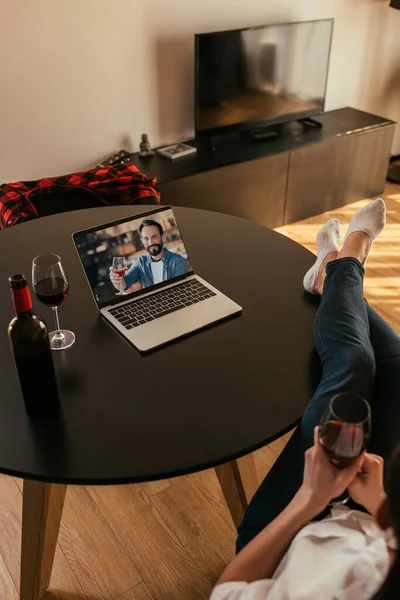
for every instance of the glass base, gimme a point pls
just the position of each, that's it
(60, 340)
(121, 293)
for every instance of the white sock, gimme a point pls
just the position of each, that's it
(327, 241)
(370, 220)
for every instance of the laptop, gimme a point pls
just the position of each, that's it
(143, 281)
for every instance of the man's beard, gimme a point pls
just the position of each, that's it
(155, 249)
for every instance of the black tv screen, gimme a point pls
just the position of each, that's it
(261, 75)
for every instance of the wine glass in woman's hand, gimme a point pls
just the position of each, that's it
(345, 429)
(51, 287)
(117, 272)
(322, 481)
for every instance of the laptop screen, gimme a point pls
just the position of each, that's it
(131, 255)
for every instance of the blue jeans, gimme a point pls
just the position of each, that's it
(360, 353)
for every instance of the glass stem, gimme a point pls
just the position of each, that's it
(59, 335)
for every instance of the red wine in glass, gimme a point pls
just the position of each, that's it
(121, 272)
(51, 287)
(52, 292)
(345, 430)
(342, 442)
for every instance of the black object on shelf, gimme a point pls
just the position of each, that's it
(309, 122)
(266, 134)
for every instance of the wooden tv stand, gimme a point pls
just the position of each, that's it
(301, 172)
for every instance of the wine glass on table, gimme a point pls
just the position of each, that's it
(345, 430)
(120, 267)
(51, 287)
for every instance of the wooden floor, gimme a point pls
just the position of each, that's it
(170, 540)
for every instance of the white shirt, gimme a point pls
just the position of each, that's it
(157, 269)
(343, 557)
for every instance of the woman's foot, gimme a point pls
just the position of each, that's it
(327, 249)
(363, 230)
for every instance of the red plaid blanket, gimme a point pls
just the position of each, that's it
(119, 184)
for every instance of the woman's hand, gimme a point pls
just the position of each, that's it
(367, 488)
(322, 481)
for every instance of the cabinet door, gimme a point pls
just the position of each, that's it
(254, 190)
(338, 171)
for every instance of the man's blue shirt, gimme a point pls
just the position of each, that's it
(174, 265)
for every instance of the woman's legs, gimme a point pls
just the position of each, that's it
(342, 339)
(341, 334)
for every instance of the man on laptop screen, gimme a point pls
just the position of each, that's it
(159, 264)
(142, 280)
(136, 254)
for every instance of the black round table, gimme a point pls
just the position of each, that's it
(200, 402)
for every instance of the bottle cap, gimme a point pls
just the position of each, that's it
(20, 293)
(18, 281)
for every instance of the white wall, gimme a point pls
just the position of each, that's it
(80, 78)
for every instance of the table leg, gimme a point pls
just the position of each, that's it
(41, 517)
(238, 480)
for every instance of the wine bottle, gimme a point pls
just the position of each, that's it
(32, 353)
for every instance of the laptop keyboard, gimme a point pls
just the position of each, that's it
(162, 303)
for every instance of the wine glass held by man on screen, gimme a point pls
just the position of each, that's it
(117, 272)
(51, 287)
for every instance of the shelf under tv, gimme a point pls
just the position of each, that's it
(298, 173)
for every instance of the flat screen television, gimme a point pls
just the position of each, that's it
(250, 78)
